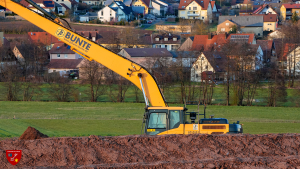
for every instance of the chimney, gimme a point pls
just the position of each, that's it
(209, 35)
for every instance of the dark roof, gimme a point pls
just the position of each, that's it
(148, 52)
(249, 21)
(64, 63)
(127, 10)
(61, 48)
(216, 60)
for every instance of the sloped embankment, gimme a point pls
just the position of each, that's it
(180, 151)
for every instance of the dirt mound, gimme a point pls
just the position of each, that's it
(31, 133)
(171, 151)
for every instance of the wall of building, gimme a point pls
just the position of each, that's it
(200, 66)
(225, 27)
(258, 31)
(65, 56)
(108, 14)
(269, 26)
(140, 3)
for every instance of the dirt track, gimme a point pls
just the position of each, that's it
(173, 151)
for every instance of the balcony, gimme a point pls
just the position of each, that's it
(193, 14)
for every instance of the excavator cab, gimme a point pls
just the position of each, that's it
(163, 120)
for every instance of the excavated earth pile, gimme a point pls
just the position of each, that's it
(171, 151)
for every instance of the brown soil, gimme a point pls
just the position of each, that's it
(171, 151)
(31, 134)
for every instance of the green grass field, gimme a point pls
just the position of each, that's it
(57, 119)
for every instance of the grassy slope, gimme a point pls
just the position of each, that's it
(84, 118)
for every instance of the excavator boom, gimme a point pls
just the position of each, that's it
(92, 51)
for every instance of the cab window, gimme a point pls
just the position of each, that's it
(174, 118)
(157, 121)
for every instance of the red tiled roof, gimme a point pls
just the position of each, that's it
(202, 42)
(202, 3)
(288, 48)
(42, 37)
(61, 48)
(291, 6)
(266, 46)
(212, 4)
(64, 63)
(247, 2)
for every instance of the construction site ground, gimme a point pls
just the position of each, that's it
(169, 151)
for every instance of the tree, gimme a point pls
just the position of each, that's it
(60, 88)
(295, 17)
(233, 29)
(93, 74)
(117, 86)
(200, 28)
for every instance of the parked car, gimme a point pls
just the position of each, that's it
(149, 22)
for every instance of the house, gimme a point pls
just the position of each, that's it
(287, 10)
(147, 57)
(47, 5)
(89, 16)
(43, 38)
(67, 3)
(63, 59)
(270, 21)
(246, 24)
(265, 9)
(210, 64)
(147, 4)
(195, 9)
(214, 63)
(64, 66)
(169, 41)
(290, 59)
(63, 51)
(267, 47)
(159, 7)
(116, 11)
(214, 42)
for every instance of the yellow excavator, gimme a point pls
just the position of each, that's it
(159, 118)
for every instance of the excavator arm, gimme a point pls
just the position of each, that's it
(134, 72)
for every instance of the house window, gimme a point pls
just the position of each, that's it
(206, 67)
(174, 39)
(223, 29)
(174, 47)
(190, 8)
(156, 39)
(196, 66)
(66, 55)
(227, 24)
(258, 34)
(58, 55)
(158, 46)
(194, 8)
(202, 17)
(101, 13)
(54, 70)
(166, 46)
(166, 39)
(197, 75)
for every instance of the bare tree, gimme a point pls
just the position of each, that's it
(60, 88)
(117, 86)
(93, 74)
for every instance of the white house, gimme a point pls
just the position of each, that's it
(66, 2)
(159, 7)
(169, 41)
(116, 11)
